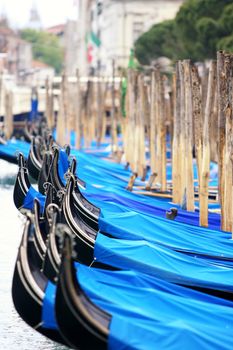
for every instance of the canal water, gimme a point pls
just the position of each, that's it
(14, 333)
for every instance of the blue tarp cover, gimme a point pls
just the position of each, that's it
(155, 260)
(48, 307)
(63, 165)
(29, 199)
(148, 313)
(12, 147)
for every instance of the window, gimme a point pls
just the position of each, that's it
(137, 30)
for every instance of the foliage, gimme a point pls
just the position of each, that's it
(156, 42)
(45, 47)
(226, 43)
(199, 29)
(207, 36)
(226, 20)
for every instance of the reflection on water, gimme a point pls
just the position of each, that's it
(14, 333)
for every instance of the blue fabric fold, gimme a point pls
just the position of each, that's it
(48, 307)
(63, 165)
(149, 313)
(29, 199)
(156, 260)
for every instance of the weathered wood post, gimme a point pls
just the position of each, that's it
(152, 133)
(113, 113)
(158, 110)
(182, 136)
(222, 103)
(205, 166)
(47, 109)
(197, 117)
(189, 181)
(65, 105)
(88, 120)
(99, 110)
(141, 168)
(130, 126)
(78, 111)
(51, 107)
(176, 147)
(49, 103)
(162, 135)
(103, 107)
(227, 195)
(230, 114)
(61, 118)
(8, 117)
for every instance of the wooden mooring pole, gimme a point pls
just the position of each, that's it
(205, 166)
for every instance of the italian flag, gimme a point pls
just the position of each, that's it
(93, 42)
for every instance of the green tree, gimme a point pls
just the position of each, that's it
(45, 47)
(226, 43)
(199, 29)
(159, 41)
(195, 16)
(207, 36)
(226, 20)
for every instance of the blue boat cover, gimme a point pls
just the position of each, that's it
(155, 260)
(29, 199)
(48, 307)
(34, 109)
(122, 219)
(13, 147)
(149, 313)
(131, 225)
(63, 165)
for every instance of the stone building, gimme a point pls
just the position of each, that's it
(67, 34)
(118, 24)
(15, 53)
(40, 72)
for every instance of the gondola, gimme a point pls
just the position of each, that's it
(45, 171)
(24, 193)
(89, 212)
(86, 210)
(34, 162)
(221, 259)
(29, 286)
(58, 177)
(27, 134)
(82, 324)
(117, 253)
(85, 235)
(52, 260)
(40, 231)
(73, 170)
(22, 183)
(86, 238)
(127, 310)
(45, 235)
(56, 180)
(74, 308)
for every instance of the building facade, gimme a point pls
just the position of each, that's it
(67, 33)
(15, 54)
(40, 72)
(84, 26)
(118, 24)
(34, 20)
